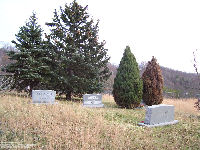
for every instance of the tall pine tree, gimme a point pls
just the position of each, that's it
(79, 58)
(30, 67)
(127, 88)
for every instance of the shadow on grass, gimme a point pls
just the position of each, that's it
(63, 99)
(110, 105)
(129, 117)
(14, 93)
(114, 105)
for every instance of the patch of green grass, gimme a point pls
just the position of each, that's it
(110, 105)
(127, 116)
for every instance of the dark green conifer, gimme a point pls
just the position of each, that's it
(80, 59)
(30, 60)
(127, 88)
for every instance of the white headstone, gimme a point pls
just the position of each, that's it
(43, 96)
(159, 115)
(92, 100)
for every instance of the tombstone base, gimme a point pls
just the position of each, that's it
(94, 106)
(159, 124)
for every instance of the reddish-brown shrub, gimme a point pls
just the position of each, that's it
(152, 83)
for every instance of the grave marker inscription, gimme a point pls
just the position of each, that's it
(43, 96)
(92, 100)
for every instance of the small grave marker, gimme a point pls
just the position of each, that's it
(92, 100)
(43, 96)
(159, 115)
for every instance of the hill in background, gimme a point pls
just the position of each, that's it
(177, 84)
(4, 59)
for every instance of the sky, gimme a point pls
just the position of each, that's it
(166, 29)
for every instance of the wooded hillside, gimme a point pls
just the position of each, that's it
(4, 59)
(176, 83)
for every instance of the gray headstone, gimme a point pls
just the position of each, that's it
(43, 96)
(158, 115)
(92, 100)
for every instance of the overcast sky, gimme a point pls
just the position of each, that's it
(166, 29)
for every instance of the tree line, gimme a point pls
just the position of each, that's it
(177, 84)
(70, 59)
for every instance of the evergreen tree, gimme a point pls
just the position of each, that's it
(30, 67)
(127, 88)
(152, 83)
(79, 59)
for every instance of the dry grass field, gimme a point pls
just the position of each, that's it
(68, 125)
(183, 105)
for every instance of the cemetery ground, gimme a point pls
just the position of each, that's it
(69, 125)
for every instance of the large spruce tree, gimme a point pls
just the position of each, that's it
(80, 59)
(30, 67)
(152, 83)
(127, 88)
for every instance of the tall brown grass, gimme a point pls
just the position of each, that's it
(69, 125)
(59, 126)
(183, 105)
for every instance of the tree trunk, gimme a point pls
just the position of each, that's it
(30, 90)
(69, 96)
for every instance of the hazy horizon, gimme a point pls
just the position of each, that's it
(168, 30)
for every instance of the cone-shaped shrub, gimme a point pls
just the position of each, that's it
(127, 88)
(152, 83)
